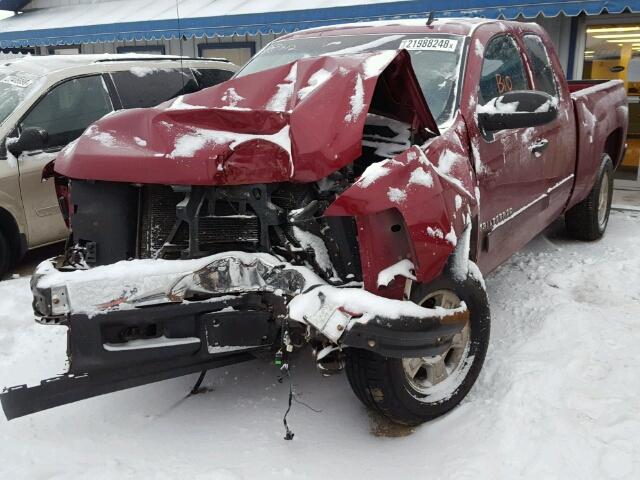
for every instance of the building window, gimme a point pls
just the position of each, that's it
(18, 51)
(236, 52)
(65, 50)
(148, 49)
(613, 52)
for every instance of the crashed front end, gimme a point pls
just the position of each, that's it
(230, 307)
(219, 229)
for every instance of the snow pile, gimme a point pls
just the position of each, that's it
(189, 143)
(374, 172)
(231, 97)
(315, 80)
(142, 72)
(420, 177)
(280, 100)
(435, 233)
(104, 138)
(375, 64)
(447, 160)
(396, 195)
(180, 104)
(140, 142)
(479, 48)
(546, 106)
(317, 245)
(558, 397)
(360, 302)
(404, 268)
(356, 101)
(496, 106)
(451, 237)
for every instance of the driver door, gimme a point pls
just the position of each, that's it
(64, 112)
(511, 179)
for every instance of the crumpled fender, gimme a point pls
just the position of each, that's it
(297, 122)
(432, 189)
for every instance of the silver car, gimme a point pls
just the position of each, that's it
(47, 102)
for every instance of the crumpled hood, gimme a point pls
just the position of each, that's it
(297, 122)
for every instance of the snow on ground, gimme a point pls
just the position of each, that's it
(558, 398)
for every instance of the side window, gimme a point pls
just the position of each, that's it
(542, 71)
(502, 69)
(147, 86)
(208, 77)
(69, 108)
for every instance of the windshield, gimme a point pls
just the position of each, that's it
(435, 60)
(15, 87)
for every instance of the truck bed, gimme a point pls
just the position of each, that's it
(601, 116)
(576, 85)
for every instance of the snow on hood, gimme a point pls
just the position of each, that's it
(297, 122)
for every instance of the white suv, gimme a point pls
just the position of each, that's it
(47, 102)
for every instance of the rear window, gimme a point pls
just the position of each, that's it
(541, 69)
(147, 86)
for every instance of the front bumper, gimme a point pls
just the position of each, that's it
(221, 312)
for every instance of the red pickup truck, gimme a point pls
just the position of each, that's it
(347, 190)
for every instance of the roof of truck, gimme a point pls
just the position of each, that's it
(46, 64)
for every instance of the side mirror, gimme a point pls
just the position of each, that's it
(518, 109)
(32, 138)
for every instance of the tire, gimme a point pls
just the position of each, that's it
(588, 219)
(5, 256)
(383, 384)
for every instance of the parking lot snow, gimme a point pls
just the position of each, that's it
(558, 397)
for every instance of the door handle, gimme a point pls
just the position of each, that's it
(539, 146)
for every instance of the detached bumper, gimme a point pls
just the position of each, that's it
(211, 317)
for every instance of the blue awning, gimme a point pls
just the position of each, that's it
(23, 30)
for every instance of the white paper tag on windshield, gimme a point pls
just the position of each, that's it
(429, 43)
(19, 80)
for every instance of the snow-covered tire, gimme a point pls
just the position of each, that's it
(588, 219)
(383, 384)
(5, 255)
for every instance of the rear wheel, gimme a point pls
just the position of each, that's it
(414, 390)
(588, 219)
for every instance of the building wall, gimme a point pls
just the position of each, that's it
(172, 47)
(559, 28)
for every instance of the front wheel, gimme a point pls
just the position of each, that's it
(413, 390)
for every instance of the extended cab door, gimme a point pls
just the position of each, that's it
(64, 112)
(553, 144)
(511, 180)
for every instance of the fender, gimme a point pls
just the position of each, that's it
(415, 205)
